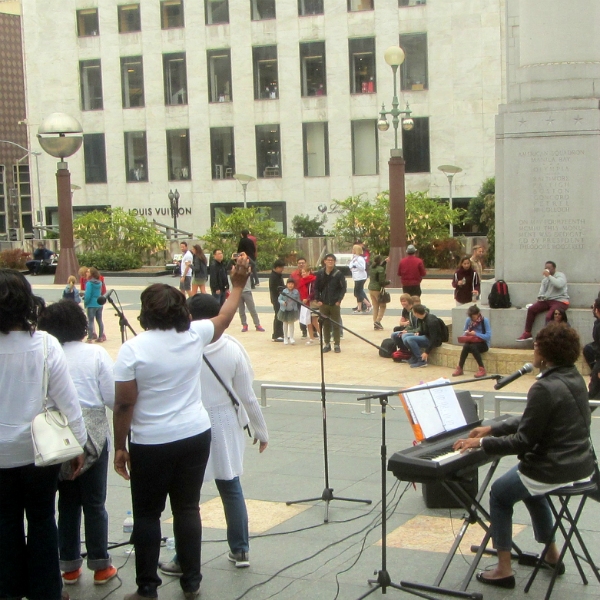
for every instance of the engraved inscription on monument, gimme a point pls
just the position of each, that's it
(552, 227)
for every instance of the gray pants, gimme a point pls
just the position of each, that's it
(247, 300)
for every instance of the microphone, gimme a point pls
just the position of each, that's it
(102, 299)
(526, 368)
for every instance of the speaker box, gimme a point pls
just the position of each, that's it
(437, 496)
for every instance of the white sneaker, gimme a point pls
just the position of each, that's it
(310, 343)
(292, 341)
(286, 341)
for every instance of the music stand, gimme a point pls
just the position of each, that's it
(384, 579)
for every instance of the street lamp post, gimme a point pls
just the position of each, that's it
(174, 201)
(244, 180)
(39, 217)
(450, 171)
(394, 56)
(61, 135)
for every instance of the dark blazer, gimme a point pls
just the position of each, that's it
(218, 276)
(330, 288)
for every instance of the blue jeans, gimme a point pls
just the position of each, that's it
(175, 469)
(505, 493)
(95, 312)
(88, 491)
(415, 343)
(29, 565)
(236, 514)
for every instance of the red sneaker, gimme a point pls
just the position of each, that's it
(71, 577)
(458, 371)
(480, 372)
(524, 337)
(104, 575)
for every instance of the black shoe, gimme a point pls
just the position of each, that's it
(327, 348)
(337, 349)
(503, 582)
(560, 571)
(304, 334)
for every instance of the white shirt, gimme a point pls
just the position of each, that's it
(91, 369)
(358, 267)
(166, 368)
(230, 360)
(186, 263)
(21, 373)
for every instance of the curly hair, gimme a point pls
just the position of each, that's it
(65, 320)
(164, 307)
(19, 308)
(558, 344)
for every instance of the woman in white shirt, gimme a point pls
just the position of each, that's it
(29, 564)
(158, 400)
(358, 268)
(91, 369)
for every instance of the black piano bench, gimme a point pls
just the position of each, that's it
(567, 521)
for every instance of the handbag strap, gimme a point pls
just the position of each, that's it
(236, 403)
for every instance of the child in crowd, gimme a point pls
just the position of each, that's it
(70, 292)
(288, 310)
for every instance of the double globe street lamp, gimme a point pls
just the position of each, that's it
(394, 56)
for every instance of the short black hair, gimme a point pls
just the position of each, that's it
(65, 320)
(164, 307)
(183, 244)
(550, 262)
(19, 308)
(330, 255)
(279, 263)
(245, 232)
(559, 344)
(419, 309)
(203, 306)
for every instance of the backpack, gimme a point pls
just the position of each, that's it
(388, 347)
(499, 296)
(444, 330)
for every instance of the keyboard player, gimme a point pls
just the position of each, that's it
(552, 442)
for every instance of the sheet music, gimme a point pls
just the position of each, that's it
(435, 410)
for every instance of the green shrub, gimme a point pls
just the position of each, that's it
(305, 226)
(12, 259)
(119, 260)
(444, 253)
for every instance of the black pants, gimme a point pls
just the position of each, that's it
(413, 290)
(277, 324)
(176, 470)
(476, 349)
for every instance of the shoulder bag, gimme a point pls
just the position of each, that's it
(384, 296)
(53, 440)
(234, 400)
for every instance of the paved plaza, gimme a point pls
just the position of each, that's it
(293, 553)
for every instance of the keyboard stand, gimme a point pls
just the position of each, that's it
(476, 513)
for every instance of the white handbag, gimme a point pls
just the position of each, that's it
(53, 440)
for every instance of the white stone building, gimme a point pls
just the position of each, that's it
(181, 94)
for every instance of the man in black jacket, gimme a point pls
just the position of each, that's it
(248, 246)
(218, 277)
(276, 285)
(330, 291)
(427, 337)
(592, 351)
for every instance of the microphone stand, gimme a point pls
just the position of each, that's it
(384, 579)
(123, 322)
(327, 495)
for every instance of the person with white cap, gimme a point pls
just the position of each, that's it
(411, 271)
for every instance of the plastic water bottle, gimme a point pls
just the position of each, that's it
(171, 543)
(128, 523)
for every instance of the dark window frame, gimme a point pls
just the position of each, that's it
(362, 49)
(265, 87)
(309, 8)
(129, 17)
(325, 146)
(310, 50)
(82, 24)
(268, 167)
(94, 158)
(169, 78)
(165, 17)
(136, 170)
(217, 91)
(416, 146)
(87, 101)
(184, 171)
(416, 62)
(222, 167)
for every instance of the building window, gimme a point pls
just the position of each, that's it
(365, 153)
(415, 146)
(413, 71)
(171, 14)
(358, 5)
(402, 3)
(263, 9)
(222, 152)
(2, 200)
(310, 7)
(91, 84)
(132, 81)
(24, 206)
(178, 154)
(276, 211)
(362, 66)
(316, 149)
(175, 78)
(129, 18)
(219, 75)
(136, 156)
(264, 59)
(312, 69)
(94, 157)
(217, 11)
(268, 151)
(87, 22)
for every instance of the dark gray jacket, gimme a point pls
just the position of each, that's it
(330, 288)
(551, 438)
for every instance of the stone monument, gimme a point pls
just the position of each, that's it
(548, 159)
